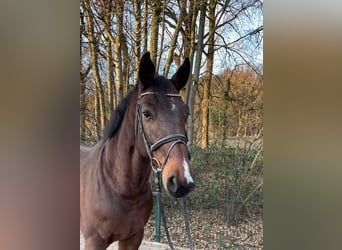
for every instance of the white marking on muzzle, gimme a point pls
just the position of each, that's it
(187, 172)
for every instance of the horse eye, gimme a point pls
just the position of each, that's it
(147, 114)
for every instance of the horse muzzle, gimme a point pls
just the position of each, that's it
(176, 188)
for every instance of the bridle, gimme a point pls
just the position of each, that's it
(151, 147)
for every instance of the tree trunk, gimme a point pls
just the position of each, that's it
(208, 76)
(145, 26)
(162, 36)
(125, 61)
(194, 82)
(93, 50)
(110, 78)
(189, 39)
(156, 10)
(137, 38)
(118, 52)
(111, 92)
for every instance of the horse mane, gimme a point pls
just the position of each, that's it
(117, 116)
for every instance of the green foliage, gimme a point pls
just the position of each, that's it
(225, 178)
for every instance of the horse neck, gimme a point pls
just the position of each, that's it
(129, 168)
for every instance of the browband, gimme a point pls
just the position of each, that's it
(153, 93)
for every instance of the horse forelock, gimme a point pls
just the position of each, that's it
(163, 85)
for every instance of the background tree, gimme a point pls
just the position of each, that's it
(99, 109)
(217, 35)
(208, 74)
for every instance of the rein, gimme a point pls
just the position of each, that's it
(157, 167)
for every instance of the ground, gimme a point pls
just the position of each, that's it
(209, 230)
(208, 233)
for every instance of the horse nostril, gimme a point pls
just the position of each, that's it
(191, 186)
(172, 184)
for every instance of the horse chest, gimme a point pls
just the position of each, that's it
(125, 218)
(136, 212)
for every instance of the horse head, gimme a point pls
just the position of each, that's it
(161, 115)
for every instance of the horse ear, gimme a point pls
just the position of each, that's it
(180, 78)
(146, 70)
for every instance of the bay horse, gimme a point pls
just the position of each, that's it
(146, 131)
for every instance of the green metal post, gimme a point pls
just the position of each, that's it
(158, 192)
(157, 218)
